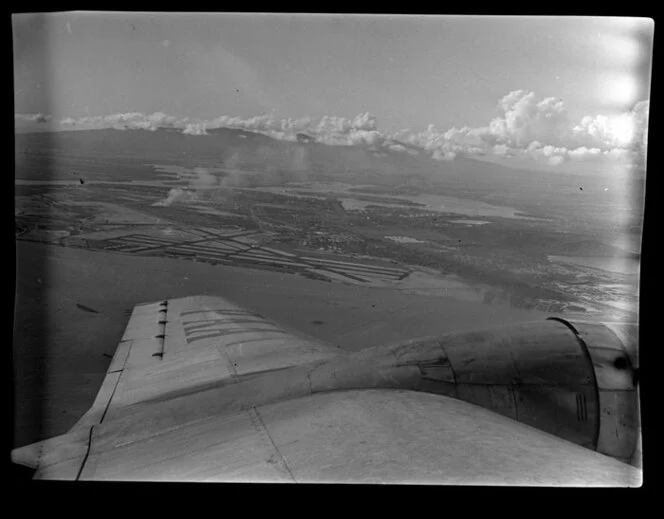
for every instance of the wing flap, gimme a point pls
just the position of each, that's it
(120, 356)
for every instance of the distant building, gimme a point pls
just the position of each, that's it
(304, 138)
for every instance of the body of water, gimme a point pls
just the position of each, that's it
(469, 222)
(427, 202)
(621, 265)
(403, 239)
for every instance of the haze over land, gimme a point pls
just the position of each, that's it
(354, 199)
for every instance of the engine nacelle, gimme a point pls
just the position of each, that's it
(577, 381)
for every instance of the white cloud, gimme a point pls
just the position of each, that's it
(502, 150)
(558, 155)
(554, 160)
(130, 120)
(584, 153)
(623, 131)
(32, 118)
(542, 130)
(397, 147)
(439, 154)
(359, 130)
(525, 119)
(194, 129)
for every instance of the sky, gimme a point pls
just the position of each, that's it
(415, 78)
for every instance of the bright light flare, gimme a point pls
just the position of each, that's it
(619, 90)
(623, 129)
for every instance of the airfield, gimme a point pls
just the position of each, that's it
(354, 247)
(336, 232)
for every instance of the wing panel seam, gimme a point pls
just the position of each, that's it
(110, 399)
(87, 454)
(276, 449)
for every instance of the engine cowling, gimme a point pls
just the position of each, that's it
(578, 381)
(575, 380)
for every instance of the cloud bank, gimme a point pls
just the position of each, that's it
(542, 130)
(126, 121)
(32, 118)
(527, 127)
(361, 129)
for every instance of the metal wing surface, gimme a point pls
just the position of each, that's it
(359, 436)
(183, 345)
(202, 390)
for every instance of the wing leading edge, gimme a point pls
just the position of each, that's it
(180, 346)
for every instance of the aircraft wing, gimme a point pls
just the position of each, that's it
(201, 390)
(185, 344)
